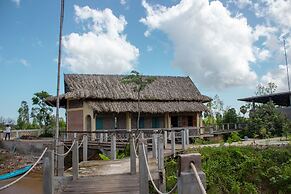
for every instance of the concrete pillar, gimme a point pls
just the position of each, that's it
(173, 143)
(143, 173)
(228, 126)
(165, 138)
(48, 172)
(85, 148)
(60, 160)
(187, 182)
(183, 136)
(17, 134)
(161, 168)
(128, 120)
(154, 145)
(132, 155)
(187, 137)
(113, 147)
(75, 161)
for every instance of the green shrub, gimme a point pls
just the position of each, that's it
(104, 157)
(234, 137)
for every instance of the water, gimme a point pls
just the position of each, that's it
(31, 184)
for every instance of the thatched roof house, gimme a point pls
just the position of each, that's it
(103, 101)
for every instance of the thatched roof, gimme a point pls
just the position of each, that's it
(106, 93)
(147, 106)
(92, 86)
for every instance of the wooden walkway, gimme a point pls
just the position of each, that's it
(107, 184)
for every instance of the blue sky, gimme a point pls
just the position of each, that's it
(226, 47)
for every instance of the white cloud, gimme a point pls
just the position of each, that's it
(123, 2)
(17, 2)
(149, 48)
(24, 62)
(209, 44)
(103, 47)
(277, 76)
(242, 3)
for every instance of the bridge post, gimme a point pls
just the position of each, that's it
(161, 169)
(183, 136)
(75, 162)
(48, 172)
(132, 155)
(60, 160)
(85, 148)
(187, 181)
(173, 143)
(154, 145)
(113, 147)
(143, 173)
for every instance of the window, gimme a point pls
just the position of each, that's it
(155, 122)
(141, 122)
(190, 121)
(99, 123)
(174, 121)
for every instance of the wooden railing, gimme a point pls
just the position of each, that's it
(16, 134)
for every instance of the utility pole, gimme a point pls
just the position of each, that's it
(286, 62)
(59, 69)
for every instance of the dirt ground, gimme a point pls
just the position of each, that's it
(11, 161)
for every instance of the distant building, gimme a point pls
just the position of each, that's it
(95, 102)
(281, 99)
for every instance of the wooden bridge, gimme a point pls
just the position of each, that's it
(129, 175)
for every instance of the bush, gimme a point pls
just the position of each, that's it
(234, 137)
(244, 169)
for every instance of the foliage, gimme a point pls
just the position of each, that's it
(270, 88)
(215, 112)
(138, 83)
(40, 111)
(104, 157)
(230, 116)
(23, 117)
(266, 121)
(234, 137)
(244, 169)
(4, 121)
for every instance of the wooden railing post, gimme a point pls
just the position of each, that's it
(48, 172)
(60, 160)
(161, 169)
(222, 127)
(85, 147)
(235, 126)
(228, 126)
(143, 173)
(154, 145)
(187, 182)
(75, 160)
(173, 143)
(113, 146)
(132, 155)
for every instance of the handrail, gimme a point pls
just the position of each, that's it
(150, 175)
(15, 181)
(65, 154)
(198, 178)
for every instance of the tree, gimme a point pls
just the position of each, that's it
(214, 116)
(270, 88)
(138, 83)
(266, 120)
(230, 116)
(40, 111)
(23, 117)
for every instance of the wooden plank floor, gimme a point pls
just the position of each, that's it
(107, 184)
